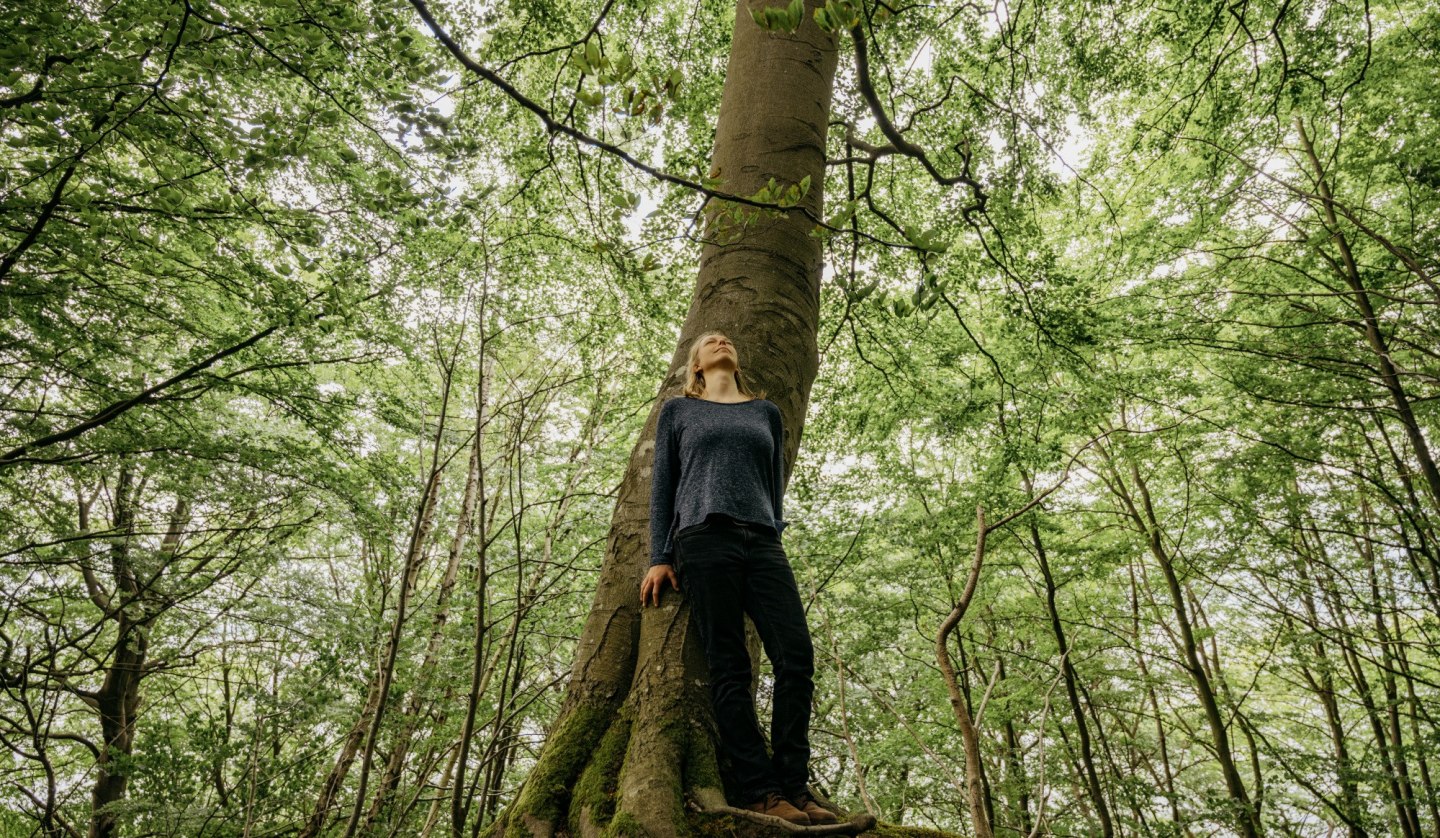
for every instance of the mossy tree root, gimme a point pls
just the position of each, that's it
(592, 806)
(629, 771)
(670, 756)
(547, 792)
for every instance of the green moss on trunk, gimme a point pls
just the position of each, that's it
(657, 753)
(625, 826)
(547, 789)
(595, 793)
(702, 768)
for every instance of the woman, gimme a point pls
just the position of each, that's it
(715, 517)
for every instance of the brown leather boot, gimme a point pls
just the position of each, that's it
(814, 811)
(776, 806)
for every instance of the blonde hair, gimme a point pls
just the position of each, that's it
(695, 382)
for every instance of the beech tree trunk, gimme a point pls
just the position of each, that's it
(118, 698)
(1349, 270)
(133, 604)
(981, 816)
(413, 705)
(1322, 682)
(633, 738)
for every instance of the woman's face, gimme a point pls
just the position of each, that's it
(716, 351)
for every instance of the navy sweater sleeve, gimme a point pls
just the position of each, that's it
(664, 480)
(777, 488)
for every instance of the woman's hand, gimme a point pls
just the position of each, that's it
(654, 583)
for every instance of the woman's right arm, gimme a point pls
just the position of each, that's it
(664, 481)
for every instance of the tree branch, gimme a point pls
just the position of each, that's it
(555, 126)
(34, 93)
(146, 396)
(897, 139)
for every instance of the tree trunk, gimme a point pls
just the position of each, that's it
(1176, 821)
(330, 789)
(1349, 271)
(1015, 768)
(401, 749)
(133, 606)
(1322, 683)
(479, 674)
(1355, 663)
(966, 667)
(1405, 805)
(119, 695)
(1422, 554)
(1416, 711)
(1092, 777)
(633, 737)
(969, 736)
(410, 572)
(1246, 815)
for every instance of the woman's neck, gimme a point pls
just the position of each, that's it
(720, 386)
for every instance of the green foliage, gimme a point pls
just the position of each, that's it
(779, 18)
(837, 15)
(256, 258)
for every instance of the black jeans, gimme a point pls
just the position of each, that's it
(728, 569)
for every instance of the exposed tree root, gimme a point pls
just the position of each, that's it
(610, 772)
(738, 823)
(744, 823)
(544, 801)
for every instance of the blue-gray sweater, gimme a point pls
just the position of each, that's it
(715, 457)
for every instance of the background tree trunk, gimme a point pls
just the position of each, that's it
(636, 699)
(1140, 510)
